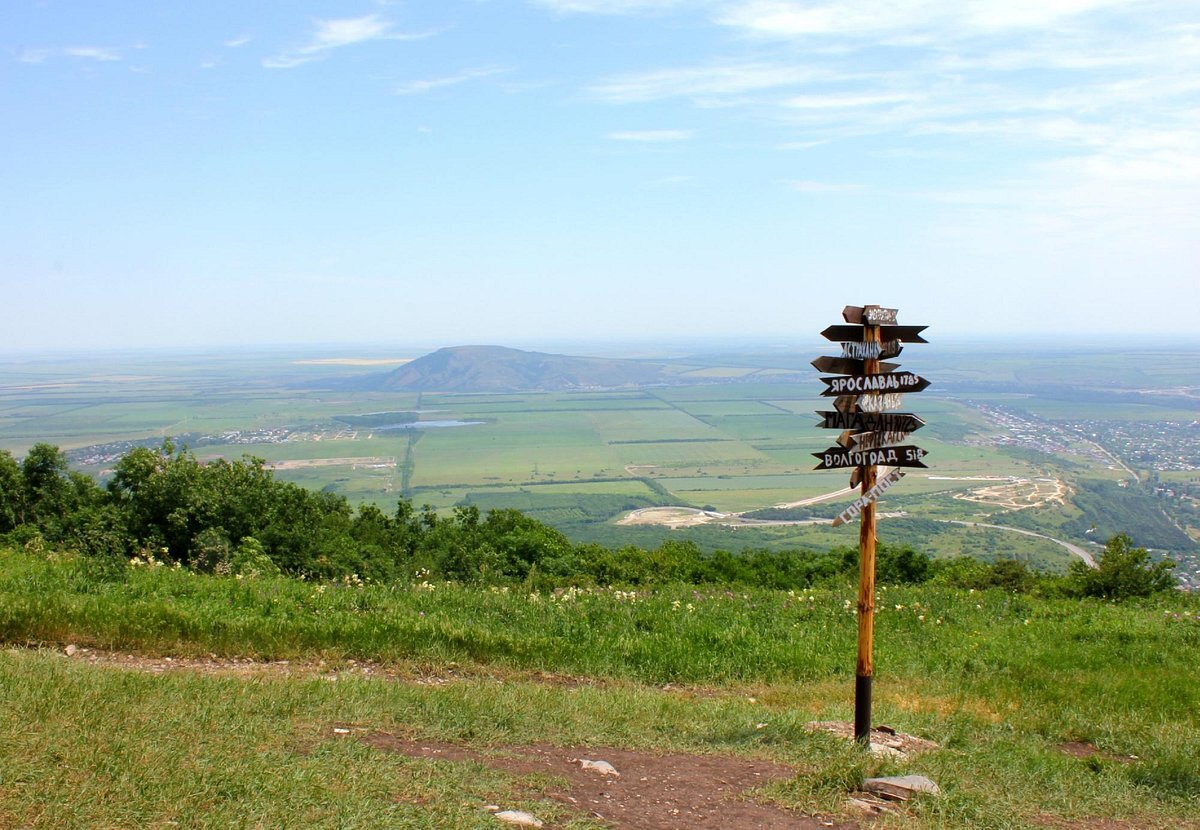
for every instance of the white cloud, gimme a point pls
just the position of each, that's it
(420, 87)
(652, 136)
(235, 42)
(703, 82)
(834, 101)
(914, 20)
(95, 53)
(824, 187)
(335, 34)
(611, 6)
(92, 53)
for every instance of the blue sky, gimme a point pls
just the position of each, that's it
(177, 174)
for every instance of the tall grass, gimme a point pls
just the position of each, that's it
(998, 679)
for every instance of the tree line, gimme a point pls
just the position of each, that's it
(235, 517)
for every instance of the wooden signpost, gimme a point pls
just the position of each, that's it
(847, 365)
(871, 438)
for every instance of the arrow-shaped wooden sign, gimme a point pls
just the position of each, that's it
(871, 351)
(871, 440)
(846, 403)
(869, 403)
(836, 458)
(866, 384)
(880, 403)
(871, 314)
(848, 366)
(871, 421)
(881, 487)
(854, 334)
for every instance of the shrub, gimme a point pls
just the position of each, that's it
(1122, 571)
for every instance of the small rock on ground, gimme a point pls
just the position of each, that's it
(602, 767)
(902, 787)
(519, 818)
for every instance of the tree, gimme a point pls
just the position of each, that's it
(1122, 571)
(47, 486)
(12, 493)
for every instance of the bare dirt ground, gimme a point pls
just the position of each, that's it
(652, 792)
(670, 517)
(1004, 494)
(359, 461)
(655, 791)
(1019, 494)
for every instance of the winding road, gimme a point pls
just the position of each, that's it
(1075, 549)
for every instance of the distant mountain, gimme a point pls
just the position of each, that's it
(500, 369)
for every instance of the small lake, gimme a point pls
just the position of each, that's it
(429, 425)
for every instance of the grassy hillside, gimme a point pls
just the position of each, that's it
(1001, 682)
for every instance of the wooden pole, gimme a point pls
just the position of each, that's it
(864, 668)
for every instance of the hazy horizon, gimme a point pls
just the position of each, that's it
(513, 171)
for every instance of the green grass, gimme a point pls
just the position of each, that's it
(999, 681)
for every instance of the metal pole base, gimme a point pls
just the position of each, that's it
(862, 709)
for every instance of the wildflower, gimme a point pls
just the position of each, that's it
(939, 621)
(690, 608)
(676, 604)
(1027, 622)
(321, 589)
(921, 617)
(899, 607)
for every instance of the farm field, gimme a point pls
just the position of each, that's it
(735, 442)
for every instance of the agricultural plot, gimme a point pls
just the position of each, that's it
(737, 440)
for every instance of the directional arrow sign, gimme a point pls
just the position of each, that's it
(866, 384)
(848, 366)
(871, 421)
(871, 351)
(879, 402)
(836, 458)
(846, 403)
(854, 334)
(872, 314)
(871, 440)
(881, 487)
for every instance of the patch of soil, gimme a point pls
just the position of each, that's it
(653, 792)
(881, 736)
(1083, 749)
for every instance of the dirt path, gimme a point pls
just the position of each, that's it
(651, 791)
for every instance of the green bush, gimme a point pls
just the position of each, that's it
(1122, 571)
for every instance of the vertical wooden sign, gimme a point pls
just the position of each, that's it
(868, 441)
(864, 666)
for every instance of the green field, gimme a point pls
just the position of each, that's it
(204, 702)
(736, 440)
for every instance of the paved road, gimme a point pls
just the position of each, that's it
(1075, 549)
